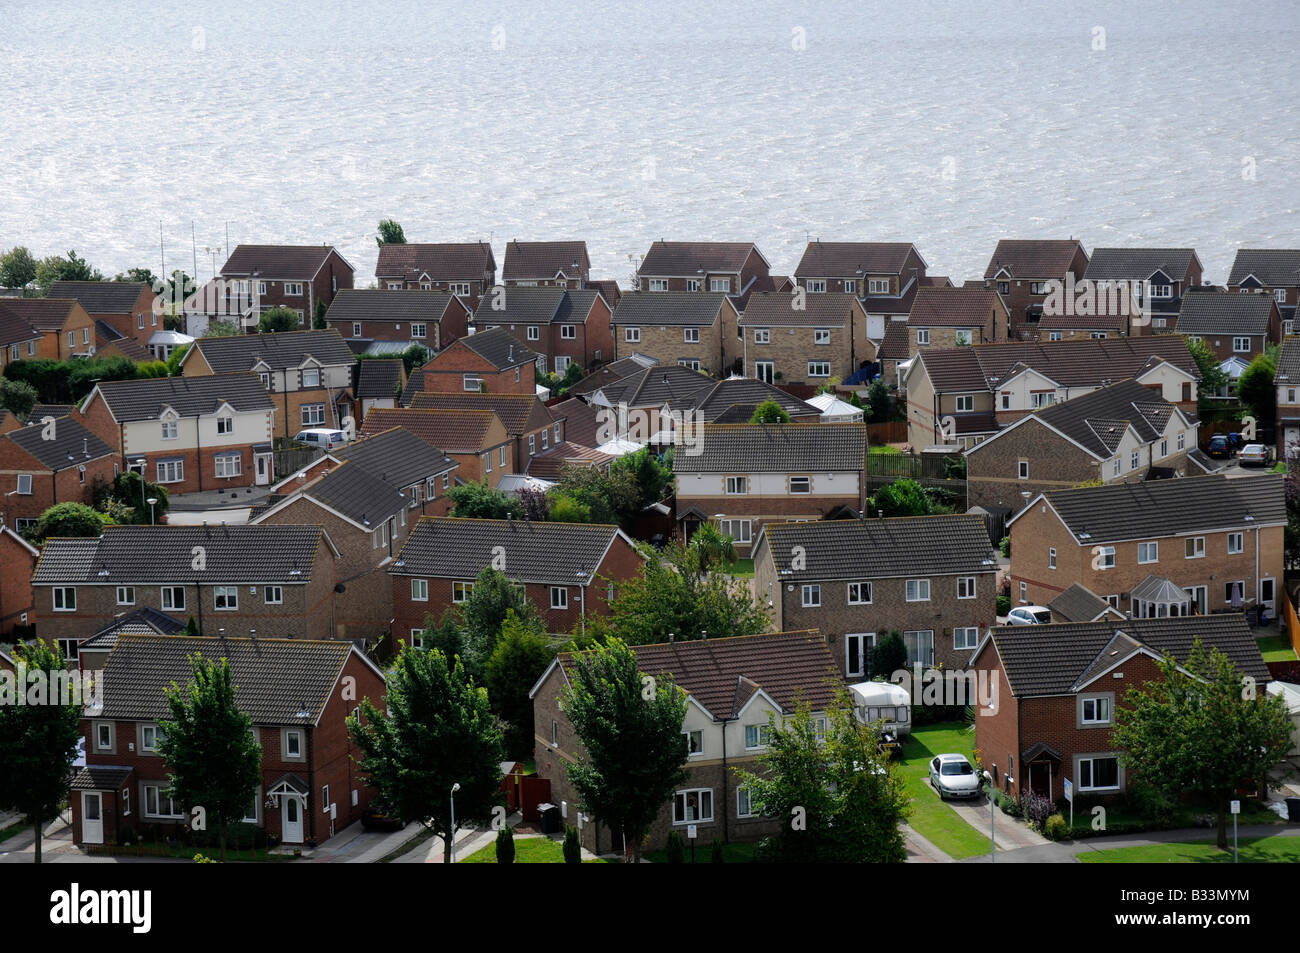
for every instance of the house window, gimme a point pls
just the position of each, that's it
(70, 649)
(532, 444)
(460, 591)
(171, 471)
(1148, 553)
(229, 465)
(534, 333)
(1195, 547)
(72, 339)
(170, 430)
(758, 736)
(762, 335)
(173, 597)
(962, 337)
(739, 530)
(819, 368)
(25, 484)
(691, 335)
(150, 735)
(273, 595)
(821, 336)
(694, 806)
(472, 383)
(65, 599)
(1097, 335)
(966, 403)
(1106, 557)
(557, 435)
(922, 335)
(292, 744)
(857, 651)
(126, 595)
(1004, 287)
(225, 425)
(966, 638)
(920, 647)
(104, 736)
(878, 286)
(859, 593)
(325, 798)
(1117, 465)
(918, 590)
(1164, 447)
(800, 484)
(419, 329)
(1038, 287)
(965, 587)
(1055, 336)
(158, 804)
(1094, 709)
(417, 639)
(1051, 557)
(1043, 398)
(1134, 459)
(420, 590)
(737, 485)
(226, 597)
(311, 377)
(1024, 592)
(812, 596)
(632, 335)
(694, 742)
(1099, 773)
(1280, 296)
(313, 414)
(545, 435)
(458, 287)
(293, 289)
(265, 379)
(559, 597)
(1006, 400)
(1023, 470)
(658, 284)
(1241, 344)
(1236, 543)
(1161, 291)
(356, 329)
(720, 284)
(816, 285)
(743, 806)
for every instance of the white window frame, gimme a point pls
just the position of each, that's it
(126, 595)
(110, 746)
(559, 597)
(740, 531)
(691, 335)
(292, 289)
(810, 595)
(1194, 547)
(419, 590)
(1148, 552)
(167, 598)
(816, 286)
(805, 481)
(720, 285)
(228, 465)
(273, 595)
(922, 336)
(1051, 557)
(965, 638)
(737, 485)
(658, 284)
(145, 747)
(1099, 703)
(744, 806)
(62, 601)
(1022, 470)
(1241, 344)
(229, 595)
(534, 333)
(966, 584)
(762, 335)
(964, 403)
(1091, 759)
(170, 430)
(171, 471)
(761, 736)
(913, 589)
(632, 335)
(153, 805)
(821, 336)
(1106, 558)
(316, 376)
(313, 415)
(819, 368)
(681, 799)
(226, 424)
(285, 754)
(854, 591)
(471, 383)
(460, 591)
(692, 735)
(458, 287)
(24, 484)
(419, 329)
(1240, 540)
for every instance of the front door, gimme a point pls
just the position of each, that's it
(92, 817)
(1266, 595)
(291, 819)
(262, 467)
(764, 371)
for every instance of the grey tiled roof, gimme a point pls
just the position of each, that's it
(1098, 420)
(1212, 313)
(1138, 264)
(277, 261)
(274, 678)
(285, 349)
(370, 304)
(146, 398)
(1051, 659)
(514, 305)
(72, 445)
(358, 494)
(686, 259)
(14, 328)
(397, 456)
(852, 259)
(777, 309)
(740, 395)
(165, 554)
(1275, 267)
(548, 553)
(777, 448)
(876, 548)
(1033, 258)
(142, 621)
(101, 297)
(464, 261)
(656, 386)
(100, 777)
(1288, 361)
(1078, 603)
(379, 378)
(669, 308)
(542, 261)
(609, 373)
(1155, 508)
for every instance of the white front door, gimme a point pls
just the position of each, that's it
(262, 467)
(92, 817)
(1266, 595)
(290, 819)
(1291, 439)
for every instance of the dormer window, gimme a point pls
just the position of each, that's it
(169, 430)
(311, 377)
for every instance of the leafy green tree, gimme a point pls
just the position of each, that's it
(223, 328)
(572, 846)
(506, 845)
(612, 498)
(137, 274)
(769, 412)
(837, 797)
(390, 233)
(173, 365)
(38, 742)
(486, 610)
(480, 501)
(1255, 387)
(446, 635)
(57, 268)
(1213, 377)
(888, 655)
(69, 519)
(439, 730)
(417, 355)
(17, 268)
(675, 849)
(127, 495)
(902, 498)
(1201, 728)
(17, 397)
(208, 745)
(565, 509)
(632, 734)
(278, 319)
(654, 478)
(879, 402)
(709, 549)
(319, 323)
(521, 655)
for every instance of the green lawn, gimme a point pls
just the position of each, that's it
(742, 567)
(1259, 851)
(10, 831)
(932, 818)
(1276, 648)
(528, 850)
(740, 853)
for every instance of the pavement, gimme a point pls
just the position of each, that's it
(1067, 852)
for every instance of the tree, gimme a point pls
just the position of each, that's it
(902, 498)
(208, 744)
(521, 655)
(1213, 377)
(1255, 387)
(17, 268)
(769, 412)
(17, 397)
(57, 268)
(709, 549)
(536, 505)
(278, 319)
(417, 355)
(1201, 728)
(572, 846)
(486, 609)
(632, 734)
(480, 501)
(137, 274)
(653, 478)
(439, 730)
(390, 233)
(888, 655)
(69, 519)
(319, 323)
(223, 328)
(565, 509)
(38, 742)
(838, 798)
(879, 402)
(506, 845)
(126, 496)
(609, 499)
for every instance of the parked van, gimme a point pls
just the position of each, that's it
(321, 437)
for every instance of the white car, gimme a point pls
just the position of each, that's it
(1029, 615)
(322, 437)
(952, 775)
(1255, 455)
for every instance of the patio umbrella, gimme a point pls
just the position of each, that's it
(1236, 595)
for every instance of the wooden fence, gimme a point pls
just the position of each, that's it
(1289, 619)
(931, 470)
(892, 431)
(291, 460)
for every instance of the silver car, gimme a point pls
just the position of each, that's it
(953, 776)
(1029, 615)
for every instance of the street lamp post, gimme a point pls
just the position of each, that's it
(993, 847)
(153, 501)
(454, 788)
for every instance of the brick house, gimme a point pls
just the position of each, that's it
(531, 424)
(431, 318)
(746, 475)
(638, 405)
(864, 269)
(126, 306)
(1168, 273)
(302, 278)
(1021, 272)
(17, 604)
(611, 373)
(536, 264)
(95, 650)
(1078, 603)
(298, 694)
(1164, 547)
(731, 268)
(66, 329)
(1287, 380)
(563, 326)
(307, 373)
(476, 440)
(732, 686)
(1058, 688)
(187, 433)
(489, 362)
(931, 578)
(956, 317)
(379, 383)
(734, 401)
(19, 341)
(273, 581)
(1274, 272)
(464, 269)
(47, 463)
(804, 337)
(1074, 327)
(1233, 325)
(988, 386)
(1124, 433)
(692, 329)
(567, 570)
